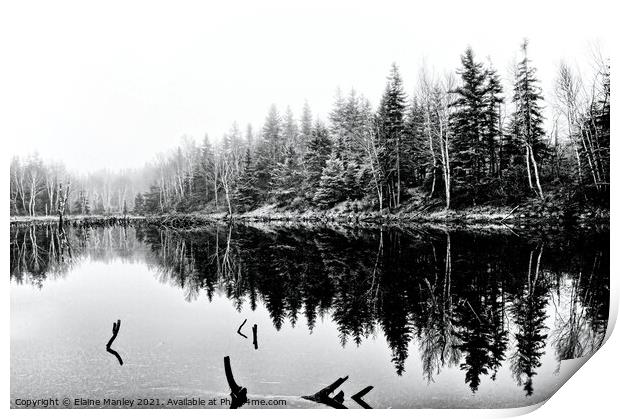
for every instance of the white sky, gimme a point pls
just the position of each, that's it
(110, 85)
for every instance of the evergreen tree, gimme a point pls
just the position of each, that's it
(319, 149)
(207, 165)
(289, 176)
(391, 121)
(246, 194)
(269, 152)
(468, 121)
(306, 128)
(290, 130)
(492, 121)
(415, 146)
(138, 205)
(273, 135)
(337, 122)
(249, 136)
(152, 200)
(528, 128)
(82, 205)
(331, 185)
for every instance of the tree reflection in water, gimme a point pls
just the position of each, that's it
(476, 301)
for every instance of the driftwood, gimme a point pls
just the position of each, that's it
(339, 398)
(239, 329)
(255, 336)
(322, 396)
(115, 328)
(358, 397)
(238, 394)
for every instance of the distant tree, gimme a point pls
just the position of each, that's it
(290, 131)
(153, 200)
(138, 206)
(81, 205)
(305, 132)
(208, 169)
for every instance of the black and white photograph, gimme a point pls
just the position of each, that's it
(305, 205)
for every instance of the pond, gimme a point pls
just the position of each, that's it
(429, 318)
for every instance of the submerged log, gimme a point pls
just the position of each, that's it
(255, 336)
(322, 396)
(358, 397)
(115, 328)
(239, 329)
(238, 394)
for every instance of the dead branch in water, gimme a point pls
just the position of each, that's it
(358, 397)
(115, 328)
(255, 336)
(238, 394)
(322, 396)
(239, 329)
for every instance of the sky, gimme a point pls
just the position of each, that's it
(111, 84)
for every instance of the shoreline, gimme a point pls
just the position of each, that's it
(479, 218)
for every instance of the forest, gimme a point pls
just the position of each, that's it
(464, 139)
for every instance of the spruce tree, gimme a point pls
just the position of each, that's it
(246, 195)
(331, 185)
(528, 120)
(138, 204)
(289, 177)
(468, 121)
(273, 135)
(305, 128)
(319, 150)
(415, 145)
(290, 130)
(269, 152)
(492, 121)
(391, 118)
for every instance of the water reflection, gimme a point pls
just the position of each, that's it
(476, 302)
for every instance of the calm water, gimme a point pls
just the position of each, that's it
(429, 318)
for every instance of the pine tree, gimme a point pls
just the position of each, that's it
(246, 195)
(82, 205)
(319, 149)
(305, 129)
(138, 204)
(331, 185)
(415, 146)
(391, 118)
(273, 135)
(528, 119)
(337, 121)
(290, 130)
(289, 176)
(468, 121)
(207, 166)
(269, 152)
(152, 200)
(492, 121)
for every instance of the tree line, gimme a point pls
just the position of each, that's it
(463, 139)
